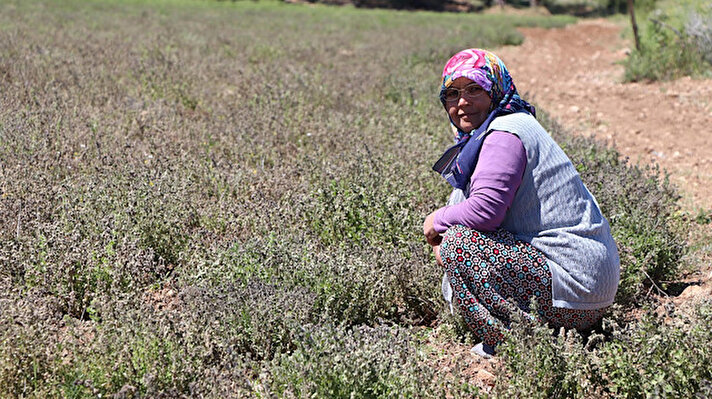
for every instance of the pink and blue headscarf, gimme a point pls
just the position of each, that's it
(487, 70)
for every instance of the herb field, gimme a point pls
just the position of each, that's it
(201, 199)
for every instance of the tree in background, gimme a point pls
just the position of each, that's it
(631, 10)
(673, 39)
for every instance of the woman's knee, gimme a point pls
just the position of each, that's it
(452, 240)
(454, 250)
(453, 236)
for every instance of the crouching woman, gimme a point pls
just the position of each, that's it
(520, 225)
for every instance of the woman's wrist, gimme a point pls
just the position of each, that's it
(438, 222)
(431, 235)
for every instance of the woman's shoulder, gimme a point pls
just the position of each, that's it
(522, 125)
(501, 138)
(517, 121)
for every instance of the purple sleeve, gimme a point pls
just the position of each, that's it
(493, 184)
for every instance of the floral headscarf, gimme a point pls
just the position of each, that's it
(488, 71)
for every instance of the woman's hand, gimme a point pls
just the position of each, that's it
(433, 237)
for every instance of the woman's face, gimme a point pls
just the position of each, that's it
(468, 111)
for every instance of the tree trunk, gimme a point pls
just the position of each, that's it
(534, 3)
(635, 25)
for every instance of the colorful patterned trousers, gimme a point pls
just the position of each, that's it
(493, 275)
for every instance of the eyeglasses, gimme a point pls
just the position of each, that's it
(471, 92)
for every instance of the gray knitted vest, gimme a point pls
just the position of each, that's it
(556, 213)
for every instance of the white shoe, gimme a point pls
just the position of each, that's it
(483, 350)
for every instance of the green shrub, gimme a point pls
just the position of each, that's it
(28, 343)
(365, 204)
(365, 362)
(675, 41)
(649, 358)
(577, 7)
(538, 364)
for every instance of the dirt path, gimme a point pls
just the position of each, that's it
(573, 73)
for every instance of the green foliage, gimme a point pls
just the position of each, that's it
(366, 204)
(579, 7)
(675, 362)
(651, 358)
(675, 41)
(359, 363)
(542, 365)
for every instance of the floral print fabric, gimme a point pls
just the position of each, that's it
(493, 276)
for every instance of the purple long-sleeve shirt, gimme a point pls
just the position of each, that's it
(493, 184)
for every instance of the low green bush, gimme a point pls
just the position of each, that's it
(577, 7)
(364, 204)
(382, 362)
(654, 357)
(675, 41)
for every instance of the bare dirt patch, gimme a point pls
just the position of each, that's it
(574, 74)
